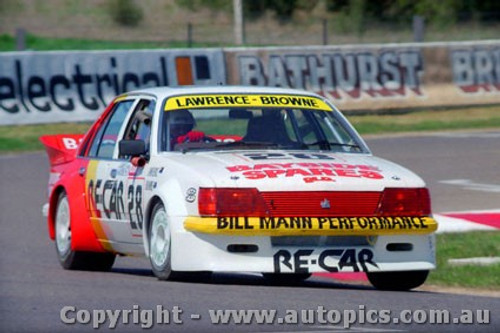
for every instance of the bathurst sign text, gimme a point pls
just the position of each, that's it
(377, 76)
(337, 74)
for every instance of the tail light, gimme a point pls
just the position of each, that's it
(231, 202)
(405, 202)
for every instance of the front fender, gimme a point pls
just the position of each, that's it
(170, 195)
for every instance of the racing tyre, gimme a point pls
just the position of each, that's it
(160, 243)
(285, 279)
(75, 260)
(399, 281)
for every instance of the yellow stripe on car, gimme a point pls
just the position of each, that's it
(311, 226)
(95, 220)
(241, 100)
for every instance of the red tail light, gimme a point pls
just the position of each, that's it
(231, 202)
(405, 202)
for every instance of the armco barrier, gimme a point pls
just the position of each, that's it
(42, 87)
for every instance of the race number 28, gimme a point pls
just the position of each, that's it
(134, 198)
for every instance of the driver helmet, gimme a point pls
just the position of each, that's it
(181, 122)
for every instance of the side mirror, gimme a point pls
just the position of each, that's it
(132, 148)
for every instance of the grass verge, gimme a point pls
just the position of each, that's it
(25, 137)
(428, 120)
(8, 43)
(467, 245)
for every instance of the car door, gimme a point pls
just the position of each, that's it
(105, 176)
(138, 128)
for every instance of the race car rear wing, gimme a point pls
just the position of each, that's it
(61, 148)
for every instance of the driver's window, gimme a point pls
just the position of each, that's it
(106, 139)
(139, 126)
(331, 128)
(305, 128)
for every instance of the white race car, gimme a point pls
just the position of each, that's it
(236, 179)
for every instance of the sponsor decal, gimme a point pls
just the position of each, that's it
(150, 185)
(107, 199)
(331, 260)
(71, 143)
(92, 200)
(301, 226)
(309, 172)
(191, 195)
(338, 75)
(239, 100)
(153, 172)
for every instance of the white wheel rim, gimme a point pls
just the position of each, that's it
(160, 239)
(63, 231)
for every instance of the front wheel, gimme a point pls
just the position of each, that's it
(75, 260)
(397, 281)
(159, 243)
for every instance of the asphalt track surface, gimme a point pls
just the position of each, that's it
(34, 288)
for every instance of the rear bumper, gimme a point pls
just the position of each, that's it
(300, 226)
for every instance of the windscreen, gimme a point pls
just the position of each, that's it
(225, 124)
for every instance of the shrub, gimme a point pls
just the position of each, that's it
(126, 12)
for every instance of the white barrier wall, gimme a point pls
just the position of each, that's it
(42, 87)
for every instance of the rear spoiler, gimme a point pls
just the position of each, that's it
(61, 148)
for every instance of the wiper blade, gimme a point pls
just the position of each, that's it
(328, 144)
(237, 144)
(248, 144)
(343, 144)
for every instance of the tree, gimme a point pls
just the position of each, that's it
(283, 9)
(125, 12)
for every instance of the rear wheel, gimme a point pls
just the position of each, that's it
(159, 243)
(75, 260)
(403, 280)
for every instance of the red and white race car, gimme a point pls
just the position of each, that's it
(232, 179)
